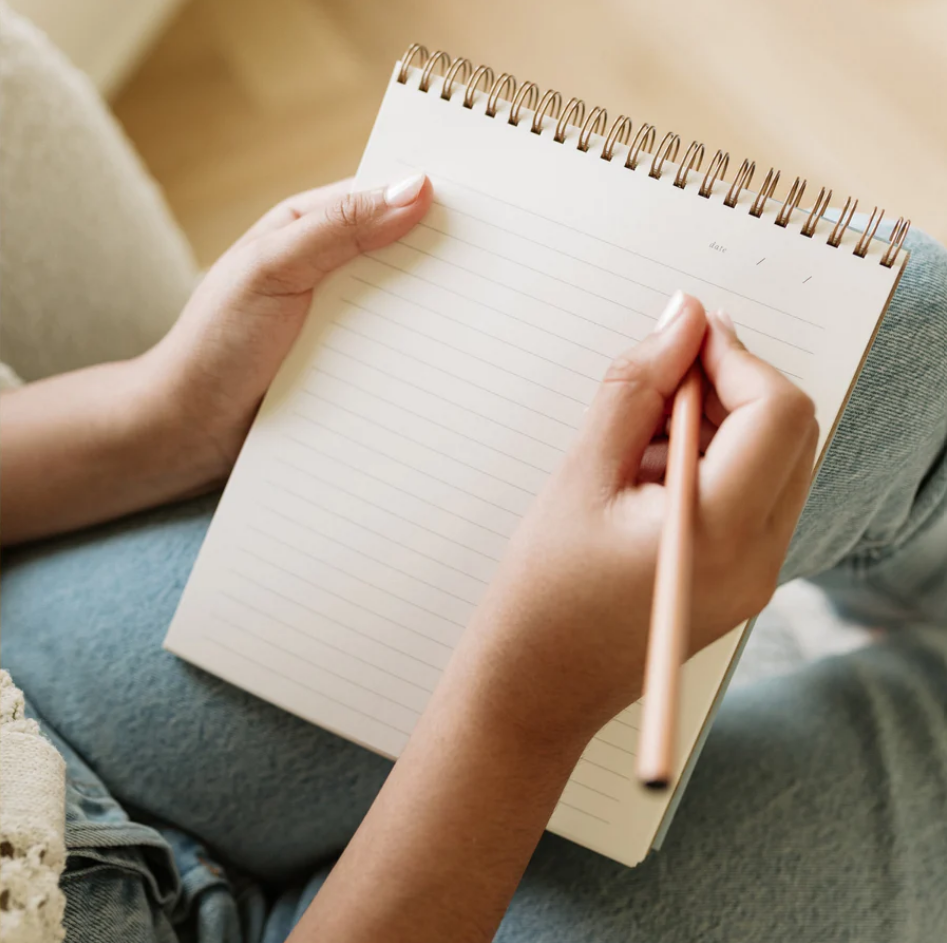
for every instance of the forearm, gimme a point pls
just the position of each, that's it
(85, 447)
(444, 846)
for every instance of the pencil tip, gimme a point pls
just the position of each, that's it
(656, 784)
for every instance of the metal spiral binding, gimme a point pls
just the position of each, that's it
(742, 180)
(460, 73)
(766, 191)
(792, 201)
(692, 160)
(528, 93)
(715, 172)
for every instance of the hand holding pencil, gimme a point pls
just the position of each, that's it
(564, 627)
(672, 604)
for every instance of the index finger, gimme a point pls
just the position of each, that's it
(769, 423)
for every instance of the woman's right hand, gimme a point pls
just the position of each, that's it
(559, 642)
(557, 647)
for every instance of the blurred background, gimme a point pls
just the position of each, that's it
(234, 104)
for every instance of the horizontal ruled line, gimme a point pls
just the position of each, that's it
(302, 684)
(542, 245)
(598, 792)
(742, 324)
(315, 664)
(421, 389)
(606, 242)
(779, 340)
(489, 307)
(370, 530)
(322, 615)
(358, 579)
(367, 556)
(339, 461)
(320, 641)
(424, 445)
(342, 435)
(562, 281)
(424, 418)
(607, 769)
(490, 363)
(608, 743)
(576, 808)
(319, 586)
(555, 278)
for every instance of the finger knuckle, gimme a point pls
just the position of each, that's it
(350, 212)
(285, 212)
(627, 370)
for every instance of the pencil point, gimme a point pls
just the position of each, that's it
(656, 785)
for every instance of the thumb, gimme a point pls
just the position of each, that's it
(629, 405)
(296, 257)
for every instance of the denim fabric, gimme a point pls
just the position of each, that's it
(817, 810)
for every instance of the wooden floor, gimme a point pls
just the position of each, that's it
(244, 101)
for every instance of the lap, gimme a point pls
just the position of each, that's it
(126, 881)
(84, 619)
(816, 812)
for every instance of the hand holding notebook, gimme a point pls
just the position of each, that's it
(215, 364)
(441, 380)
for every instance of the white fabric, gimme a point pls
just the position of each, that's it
(32, 822)
(92, 265)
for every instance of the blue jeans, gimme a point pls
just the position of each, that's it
(818, 810)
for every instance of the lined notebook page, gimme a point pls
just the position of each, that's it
(439, 381)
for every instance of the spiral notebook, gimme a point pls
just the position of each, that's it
(439, 381)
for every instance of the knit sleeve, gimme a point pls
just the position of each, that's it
(32, 826)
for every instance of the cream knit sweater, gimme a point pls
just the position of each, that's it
(32, 824)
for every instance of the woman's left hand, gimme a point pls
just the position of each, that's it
(114, 438)
(207, 377)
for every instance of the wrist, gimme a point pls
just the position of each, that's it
(489, 750)
(172, 457)
(517, 709)
(544, 671)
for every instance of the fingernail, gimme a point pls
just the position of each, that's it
(674, 307)
(406, 192)
(726, 322)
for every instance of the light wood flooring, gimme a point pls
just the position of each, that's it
(242, 102)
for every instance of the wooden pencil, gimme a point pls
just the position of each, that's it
(671, 607)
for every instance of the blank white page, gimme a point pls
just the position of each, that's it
(439, 381)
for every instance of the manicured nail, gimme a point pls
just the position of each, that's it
(726, 322)
(674, 307)
(406, 192)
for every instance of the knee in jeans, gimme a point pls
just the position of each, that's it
(885, 468)
(919, 305)
(903, 387)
